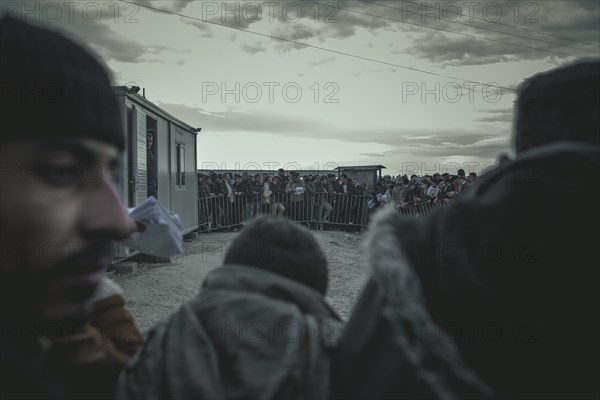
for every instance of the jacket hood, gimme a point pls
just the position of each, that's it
(248, 334)
(244, 278)
(438, 363)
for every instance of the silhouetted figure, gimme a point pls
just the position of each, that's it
(495, 295)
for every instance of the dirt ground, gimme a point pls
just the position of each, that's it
(156, 290)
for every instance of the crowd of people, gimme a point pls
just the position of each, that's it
(494, 296)
(228, 200)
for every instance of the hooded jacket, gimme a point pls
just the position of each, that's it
(249, 334)
(496, 295)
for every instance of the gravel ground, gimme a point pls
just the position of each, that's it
(156, 290)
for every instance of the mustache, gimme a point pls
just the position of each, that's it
(26, 288)
(85, 259)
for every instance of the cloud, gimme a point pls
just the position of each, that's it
(305, 21)
(443, 50)
(426, 143)
(254, 48)
(167, 5)
(240, 121)
(92, 29)
(576, 20)
(291, 19)
(204, 27)
(504, 115)
(112, 46)
(321, 62)
(422, 147)
(379, 155)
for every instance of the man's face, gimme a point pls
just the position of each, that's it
(60, 211)
(238, 180)
(226, 177)
(149, 141)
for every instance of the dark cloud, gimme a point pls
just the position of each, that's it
(575, 20)
(254, 48)
(504, 115)
(205, 29)
(112, 46)
(292, 19)
(296, 31)
(305, 21)
(323, 61)
(167, 5)
(443, 50)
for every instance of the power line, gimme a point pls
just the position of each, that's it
(497, 23)
(316, 47)
(444, 30)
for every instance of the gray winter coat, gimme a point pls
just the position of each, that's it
(249, 334)
(494, 296)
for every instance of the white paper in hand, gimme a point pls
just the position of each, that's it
(432, 191)
(162, 236)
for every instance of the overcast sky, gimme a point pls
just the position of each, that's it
(378, 84)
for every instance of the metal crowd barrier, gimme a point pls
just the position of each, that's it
(313, 210)
(419, 209)
(316, 211)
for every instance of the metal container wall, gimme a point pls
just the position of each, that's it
(132, 179)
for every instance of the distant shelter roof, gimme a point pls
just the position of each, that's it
(360, 167)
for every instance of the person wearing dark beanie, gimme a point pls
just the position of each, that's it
(420, 328)
(54, 88)
(65, 331)
(559, 105)
(282, 247)
(260, 327)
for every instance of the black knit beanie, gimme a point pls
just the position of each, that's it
(282, 247)
(561, 104)
(52, 87)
